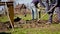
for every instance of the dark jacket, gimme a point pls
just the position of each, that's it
(58, 3)
(38, 1)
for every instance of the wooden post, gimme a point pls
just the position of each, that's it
(11, 15)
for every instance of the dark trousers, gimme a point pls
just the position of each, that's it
(50, 16)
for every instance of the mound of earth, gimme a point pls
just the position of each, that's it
(4, 26)
(29, 23)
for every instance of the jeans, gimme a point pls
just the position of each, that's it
(33, 10)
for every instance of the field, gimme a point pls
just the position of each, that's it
(41, 29)
(33, 28)
(52, 29)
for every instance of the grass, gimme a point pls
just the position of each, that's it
(45, 17)
(52, 29)
(28, 17)
(4, 19)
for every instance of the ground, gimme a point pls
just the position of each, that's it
(47, 29)
(30, 27)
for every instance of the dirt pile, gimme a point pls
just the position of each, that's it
(29, 23)
(23, 24)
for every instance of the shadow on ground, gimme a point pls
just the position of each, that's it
(4, 33)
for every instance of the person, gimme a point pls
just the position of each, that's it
(35, 2)
(31, 5)
(57, 7)
(49, 5)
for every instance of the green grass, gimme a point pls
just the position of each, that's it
(28, 17)
(45, 17)
(52, 29)
(4, 19)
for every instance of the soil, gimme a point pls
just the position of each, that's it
(5, 26)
